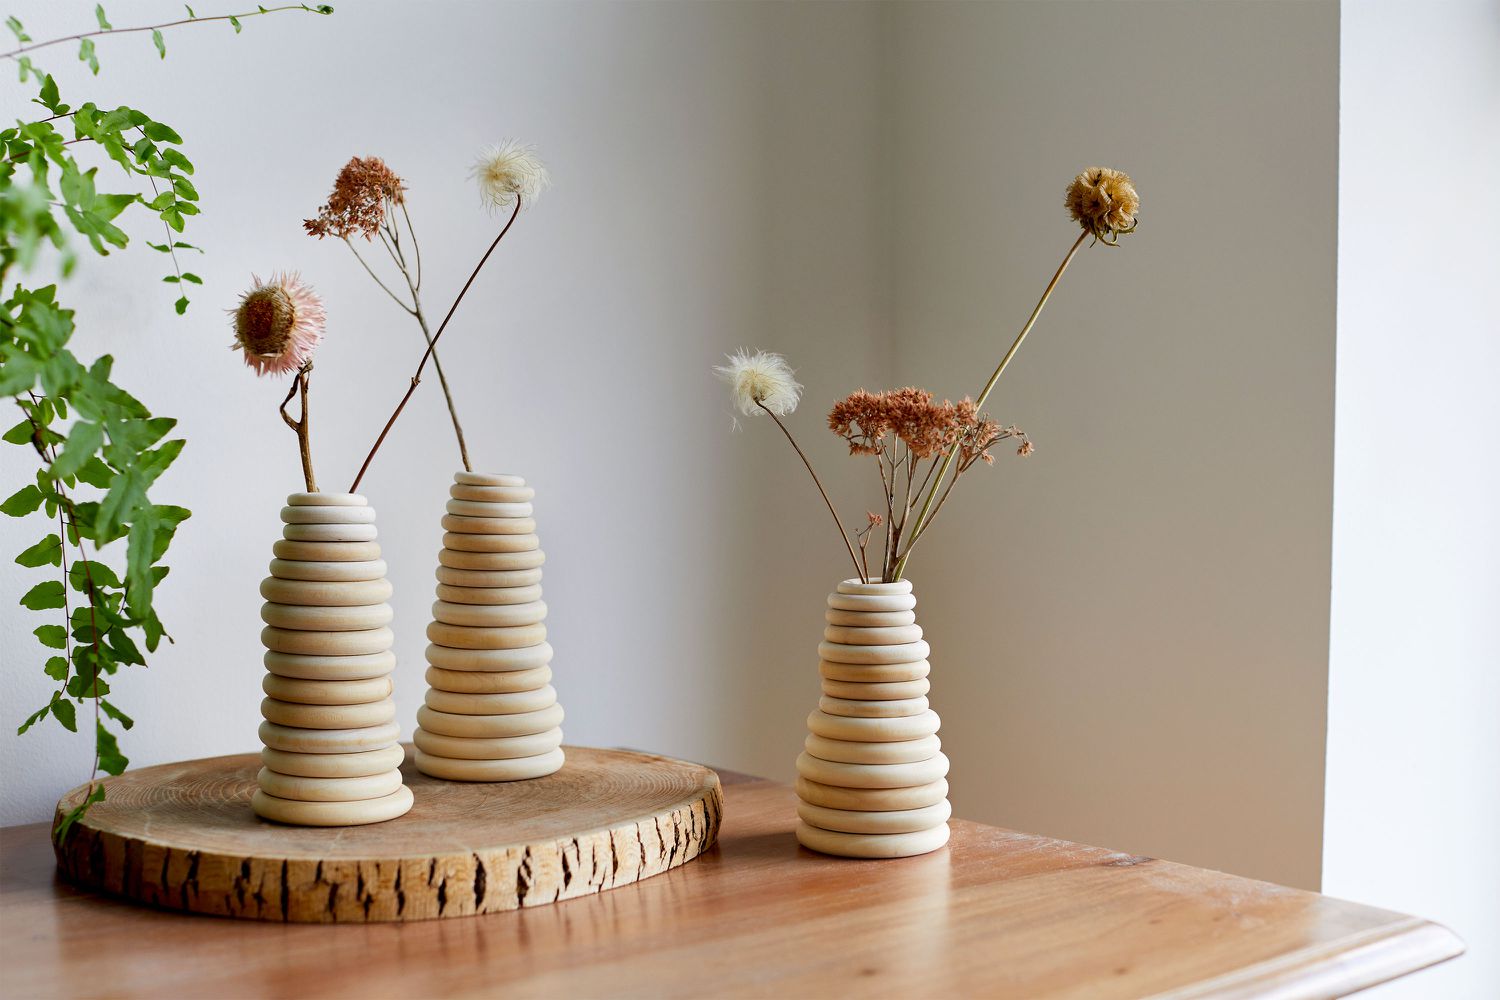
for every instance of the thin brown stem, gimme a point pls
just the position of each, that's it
(371, 272)
(303, 424)
(14, 53)
(432, 346)
(926, 513)
(863, 577)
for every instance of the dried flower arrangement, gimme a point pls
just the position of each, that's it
(369, 201)
(916, 441)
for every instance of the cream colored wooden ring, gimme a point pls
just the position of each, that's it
(517, 769)
(851, 752)
(885, 821)
(334, 765)
(295, 740)
(473, 637)
(304, 789)
(478, 579)
(328, 515)
(827, 772)
(357, 813)
(842, 727)
(285, 640)
(872, 799)
(303, 666)
(286, 548)
(341, 572)
(874, 673)
(872, 603)
(505, 660)
(868, 691)
(286, 713)
(491, 560)
(896, 635)
(326, 618)
(507, 703)
(330, 532)
(302, 692)
(487, 479)
(872, 845)
(906, 652)
(350, 594)
(850, 708)
(874, 589)
(479, 510)
(490, 543)
(869, 619)
(327, 500)
(490, 726)
(501, 748)
(489, 525)
(489, 596)
(489, 615)
(492, 494)
(487, 681)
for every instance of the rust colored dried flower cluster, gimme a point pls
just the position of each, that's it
(868, 420)
(1104, 203)
(362, 193)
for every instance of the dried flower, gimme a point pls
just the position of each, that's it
(875, 519)
(361, 195)
(508, 169)
(278, 324)
(1104, 203)
(866, 419)
(760, 379)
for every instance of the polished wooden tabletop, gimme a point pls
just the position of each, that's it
(995, 914)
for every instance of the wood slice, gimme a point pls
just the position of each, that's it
(182, 837)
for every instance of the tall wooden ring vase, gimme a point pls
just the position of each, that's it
(489, 713)
(332, 756)
(872, 778)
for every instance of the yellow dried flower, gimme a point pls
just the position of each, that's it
(1104, 203)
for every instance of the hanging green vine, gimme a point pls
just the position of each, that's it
(98, 449)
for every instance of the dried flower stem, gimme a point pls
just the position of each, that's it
(14, 53)
(863, 576)
(303, 424)
(432, 346)
(926, 514)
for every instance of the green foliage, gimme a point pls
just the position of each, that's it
(98, 450)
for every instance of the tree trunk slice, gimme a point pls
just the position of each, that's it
(182, 837)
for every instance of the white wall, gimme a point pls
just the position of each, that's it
(713, 187)
(1129, 627)
(1413, 798)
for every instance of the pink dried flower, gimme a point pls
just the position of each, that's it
(278, 324)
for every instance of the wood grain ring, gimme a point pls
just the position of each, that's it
(839, 652)
(328, 515)
(334, 765)
(305, 789)
(491, 560)
(311, 667)
(503, 703)
(283, 640)
(876, 589)
(894, 635)
(326, 618)
(489, 525)
(285, 548)
(331, 532)
(871, 799)
(491, 726)
(869, 619)
(850, 708)
(487, 681)
(298, 716)
(306, 569)
(327, 500)
(489, 615)
(491, 494)
(494, 748)
(478, 579)
(490, 595)
(872, 602)
(457, 542)
(471, 637)
(873, 691)
(827, 772)
(852, 752)
(294, 740)
(875, 821)
(874, 673)
(487, 479)
(872, 845)
(358, 813)
(306, 692)
(837, 727)
(522, 658)
(351, 593)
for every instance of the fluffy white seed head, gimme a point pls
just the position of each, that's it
(507, 169)
(760, 379)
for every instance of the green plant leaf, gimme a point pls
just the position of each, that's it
(47, 552)
(22, 502)
(51, 636)
(76, 813)
(159, 42)
(84, 441)
(34, 718)
(103, 21)
(125, 721)
(235, 23)
(62, 710)
(181, 305)
(45, 595)
(111, 760)
(87, 54)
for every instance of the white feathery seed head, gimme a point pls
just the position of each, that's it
(760, 379)
(507, 169)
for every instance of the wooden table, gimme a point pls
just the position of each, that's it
(997, 913)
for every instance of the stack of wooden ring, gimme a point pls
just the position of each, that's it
(490, 713)
(331, 753)
(872, 779)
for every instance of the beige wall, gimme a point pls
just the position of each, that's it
(1129, 628)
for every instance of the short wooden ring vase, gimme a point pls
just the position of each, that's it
(490, 713)
(871, 779)
(331, 754)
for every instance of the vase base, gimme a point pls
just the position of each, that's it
(514, 769)
(356, 813)
(871, 845)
